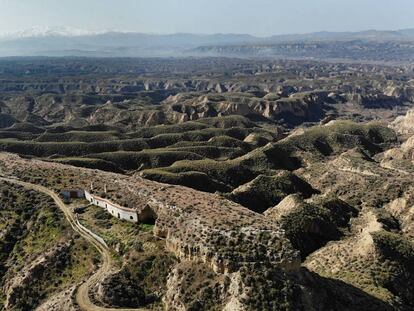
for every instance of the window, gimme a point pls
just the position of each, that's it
(131, 217)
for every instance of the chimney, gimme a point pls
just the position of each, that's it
(105, 188)
(91, 186)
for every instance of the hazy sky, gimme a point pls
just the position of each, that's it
(259, 17)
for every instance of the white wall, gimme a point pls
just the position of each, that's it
(88, 196)
(97, 237)
(112, 208)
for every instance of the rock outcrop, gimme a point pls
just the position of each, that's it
(404, 124)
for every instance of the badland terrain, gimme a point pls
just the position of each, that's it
(259, 184)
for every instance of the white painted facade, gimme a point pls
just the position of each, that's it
(112, 208)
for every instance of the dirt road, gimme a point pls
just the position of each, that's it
(82, 295)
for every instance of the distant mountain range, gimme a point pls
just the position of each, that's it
(75, 42)
(62, 41)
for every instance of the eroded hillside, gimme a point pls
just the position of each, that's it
(40, 255)
(213, 241)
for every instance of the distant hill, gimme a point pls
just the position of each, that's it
(365, 46)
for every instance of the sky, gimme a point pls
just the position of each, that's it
(257, 17)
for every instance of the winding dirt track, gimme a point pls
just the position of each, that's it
(82, 295)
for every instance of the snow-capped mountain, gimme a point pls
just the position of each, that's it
(46, 31)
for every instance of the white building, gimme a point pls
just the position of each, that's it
(113, 208)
